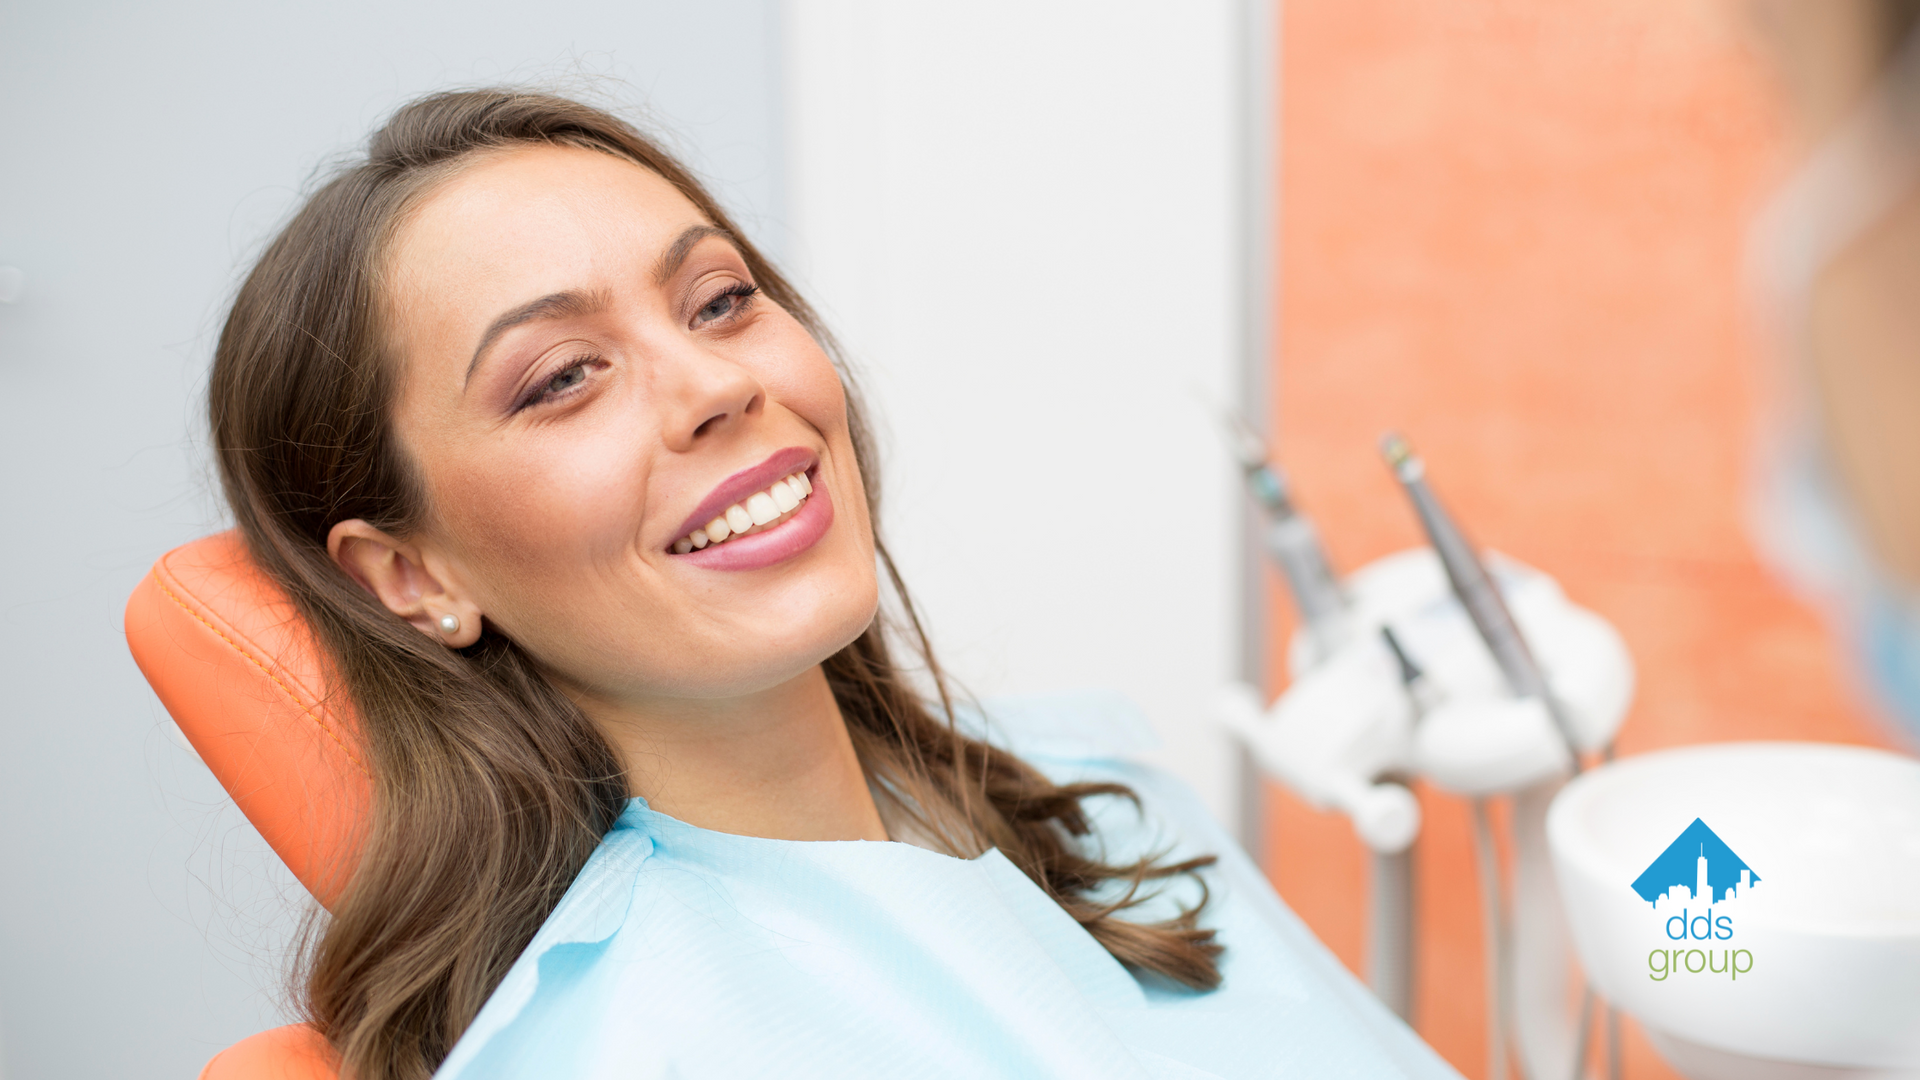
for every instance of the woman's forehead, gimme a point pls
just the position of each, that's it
(542, 206)
(524, 224)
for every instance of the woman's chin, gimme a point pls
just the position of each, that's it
(754, 651)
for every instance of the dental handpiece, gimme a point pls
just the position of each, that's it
(1476, 590)
(1292, 542)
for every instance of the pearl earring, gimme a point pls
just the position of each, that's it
(449, 624)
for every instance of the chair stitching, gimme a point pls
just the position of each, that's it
(305, 709)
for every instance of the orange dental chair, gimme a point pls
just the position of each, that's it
(237, 669)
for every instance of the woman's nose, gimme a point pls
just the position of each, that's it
(705, 394)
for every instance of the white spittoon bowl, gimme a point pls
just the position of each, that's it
(1830, 928)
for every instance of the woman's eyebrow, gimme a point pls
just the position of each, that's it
(683, 246)
(562, 305)
(558, 305)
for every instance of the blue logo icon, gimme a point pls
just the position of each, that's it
(1695, 885)
(1698, 863)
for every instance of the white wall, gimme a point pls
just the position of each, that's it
(145, 151)
(1020, 215)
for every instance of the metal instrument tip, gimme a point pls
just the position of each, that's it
(1398, 454)
(1249, 449)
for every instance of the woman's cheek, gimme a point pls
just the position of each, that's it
(546, 512)
(797, 373)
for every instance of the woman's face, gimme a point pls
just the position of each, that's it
(587, 379)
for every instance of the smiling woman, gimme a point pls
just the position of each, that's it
(467, 407)
(579, 504)
(646, 390)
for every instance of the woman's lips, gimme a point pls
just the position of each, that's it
(781, 540)
(758, 511)
(740, 488)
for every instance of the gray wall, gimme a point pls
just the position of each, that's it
(144, 155)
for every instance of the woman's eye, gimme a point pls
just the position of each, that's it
(567, 379)
(727, 303)
(564, 380)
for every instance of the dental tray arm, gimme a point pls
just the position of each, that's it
(1348, 720)
(1335, 766)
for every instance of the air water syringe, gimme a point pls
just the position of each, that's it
(1293, 543)
(1477, 592)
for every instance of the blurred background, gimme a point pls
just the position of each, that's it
(1048, 231)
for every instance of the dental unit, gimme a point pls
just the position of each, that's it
(1449, 668)
(1475, 673)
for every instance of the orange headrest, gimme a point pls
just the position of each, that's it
(239, 671)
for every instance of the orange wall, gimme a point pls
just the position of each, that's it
(1512, 231)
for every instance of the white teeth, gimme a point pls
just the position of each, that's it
(781, 497)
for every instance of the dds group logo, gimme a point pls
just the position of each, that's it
(1695, 887)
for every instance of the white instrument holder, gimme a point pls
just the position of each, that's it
(1350, 728)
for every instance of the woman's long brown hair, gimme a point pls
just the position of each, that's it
(491, 789)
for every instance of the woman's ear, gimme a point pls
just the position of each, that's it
(396, 573)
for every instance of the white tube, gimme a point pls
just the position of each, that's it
(1493, 930)
(1390, 905)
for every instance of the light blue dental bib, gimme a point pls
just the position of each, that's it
(681, 952)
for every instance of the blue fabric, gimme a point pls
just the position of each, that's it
(1808, 527)
(681, 952)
